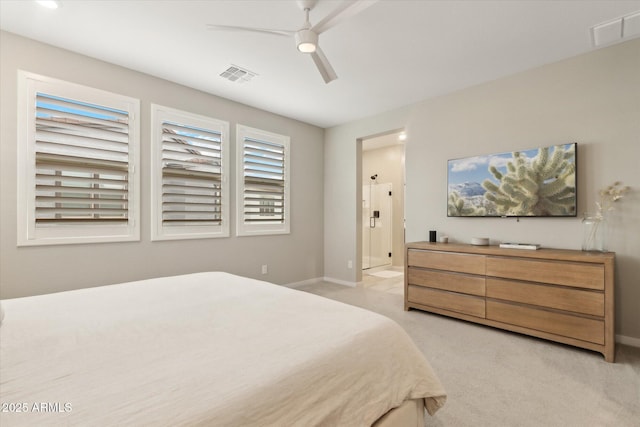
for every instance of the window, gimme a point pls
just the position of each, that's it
(190, 189)
(77, 163)
(263, 182)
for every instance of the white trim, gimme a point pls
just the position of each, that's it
(295, 285)
(385, 267)
(632, 341)
(27, 234)
(159, 114)
(340, 282)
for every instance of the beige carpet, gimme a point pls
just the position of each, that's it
(387, 274)
(498, 378)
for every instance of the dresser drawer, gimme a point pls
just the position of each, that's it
(561, 298)
(455, 282)
(566, 325)
(459, 303)
(461, 263)
(576, 274)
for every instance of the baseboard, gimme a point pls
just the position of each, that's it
(320, 279)
(339, 282)
(632, 341)
(304, 282)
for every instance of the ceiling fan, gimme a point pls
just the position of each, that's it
(306, 38)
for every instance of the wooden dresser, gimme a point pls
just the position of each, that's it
(556, 294)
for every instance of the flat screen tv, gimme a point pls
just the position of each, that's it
(540, 182)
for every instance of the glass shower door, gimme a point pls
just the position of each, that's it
(377, 225)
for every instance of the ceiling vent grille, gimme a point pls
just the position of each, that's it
(237, 74)
(616, 30)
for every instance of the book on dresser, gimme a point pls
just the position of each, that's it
(556, 294)
(531, 246)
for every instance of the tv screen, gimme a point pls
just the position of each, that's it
(540, 182)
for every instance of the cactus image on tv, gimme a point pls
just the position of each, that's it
(536, 182)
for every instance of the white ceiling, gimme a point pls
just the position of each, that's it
(393, 54)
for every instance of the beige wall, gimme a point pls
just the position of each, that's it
(388, 163)
(593, 99)
(34, 270)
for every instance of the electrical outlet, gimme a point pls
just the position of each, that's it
(265, 269)
(349, 264)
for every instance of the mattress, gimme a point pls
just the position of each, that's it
(204, 349)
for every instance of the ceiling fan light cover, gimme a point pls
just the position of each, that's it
(306, 41)
(49, 4)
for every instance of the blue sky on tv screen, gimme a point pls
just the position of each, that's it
(476, 169)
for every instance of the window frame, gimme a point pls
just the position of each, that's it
(159, 232)
(242, 227)
(28, 234)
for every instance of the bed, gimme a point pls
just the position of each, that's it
(210, 349)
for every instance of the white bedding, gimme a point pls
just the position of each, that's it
(203, 349)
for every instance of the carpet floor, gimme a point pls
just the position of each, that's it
(499, 378)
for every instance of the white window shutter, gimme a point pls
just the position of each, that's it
(189, 168)
(82, 162)
(263, 203)
(77, 158)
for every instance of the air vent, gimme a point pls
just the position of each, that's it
(616, 30)
(237, 74)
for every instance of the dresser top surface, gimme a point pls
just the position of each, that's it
(542, 253)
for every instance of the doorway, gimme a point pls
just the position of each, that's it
(382, 180)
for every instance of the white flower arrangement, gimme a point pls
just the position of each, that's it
(608, 196)
(594, 238)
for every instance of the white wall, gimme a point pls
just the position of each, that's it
(593, 99)
(35, 270)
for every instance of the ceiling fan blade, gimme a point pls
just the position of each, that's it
(346, 10)
(215, 27)
(321, 61)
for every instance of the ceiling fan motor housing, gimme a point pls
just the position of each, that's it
(307, 4)
(306, 41)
